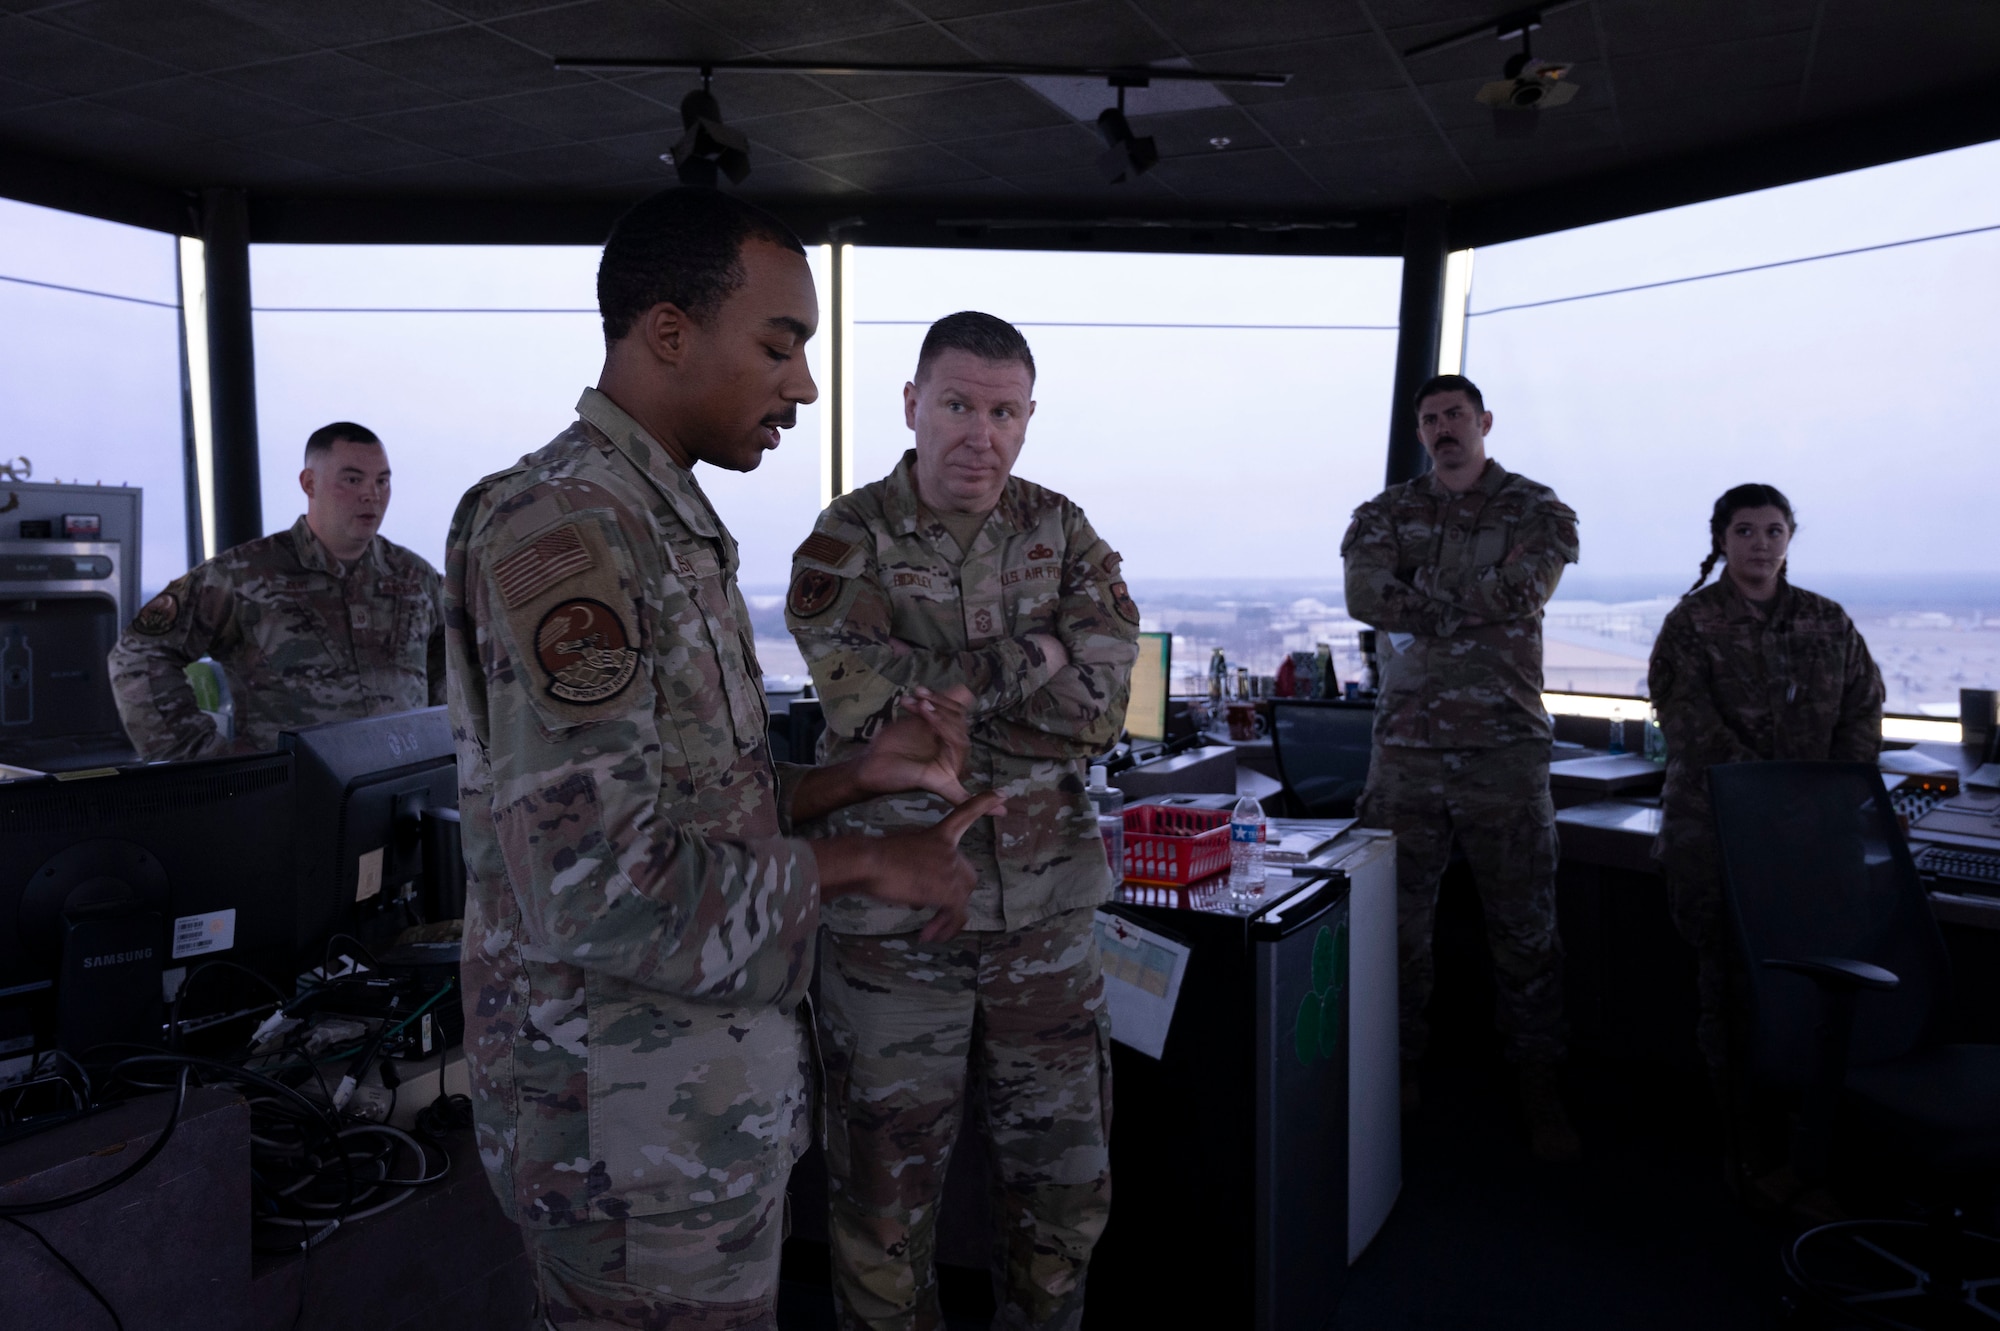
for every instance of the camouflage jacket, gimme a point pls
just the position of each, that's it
(1456, 584)
(638, 929)
(1732, 687)
(878, 567)
(299, 641)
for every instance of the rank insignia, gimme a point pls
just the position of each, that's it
(1121, 600)
(585, 651)
(813, 590)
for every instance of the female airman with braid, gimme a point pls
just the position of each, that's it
(1748, 668)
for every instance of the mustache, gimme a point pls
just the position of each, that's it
(784, 420)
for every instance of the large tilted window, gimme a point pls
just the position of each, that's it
(1218, 417)
(1831, 338)
(90, 367)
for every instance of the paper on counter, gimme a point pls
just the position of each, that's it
(1142, 982)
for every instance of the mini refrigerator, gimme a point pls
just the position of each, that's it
(1254, 1159)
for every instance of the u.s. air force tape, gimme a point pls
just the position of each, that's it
(584, 650)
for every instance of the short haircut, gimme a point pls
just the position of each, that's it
(321, 441)
(982, 335)
(680, 247)
(1448, 383)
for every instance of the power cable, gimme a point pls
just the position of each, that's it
(70, 1267)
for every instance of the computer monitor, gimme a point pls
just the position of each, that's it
(110, 883)
(371, 794)
(1146, 714)
(1322, 748)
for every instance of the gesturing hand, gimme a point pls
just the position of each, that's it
(924, 869)
(924, 748)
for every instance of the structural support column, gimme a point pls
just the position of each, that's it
(232, 368)
(1424, 252)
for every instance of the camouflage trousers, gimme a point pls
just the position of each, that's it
(903, 1025)
(714, 1268)
(1495, 803)
(1692, 865)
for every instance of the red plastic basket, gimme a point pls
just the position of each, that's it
(1173, 847)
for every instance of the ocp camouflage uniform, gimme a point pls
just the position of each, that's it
(1019, 997)
(299, 639)
(1456, 585)
(1731, 686)
(638, 927)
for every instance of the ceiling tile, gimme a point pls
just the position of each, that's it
(897, 167)
(773, 26)
(321, 23)
(1095, 32)
(46, 57)
(189, 35)
(969, 110)
(462, 131)
(332, 85)
(1031, 152)
(463, 62)
(632, 28)
(826, 132)
(587, 109)
(343, 148)
(207, 107)
(1202, 27)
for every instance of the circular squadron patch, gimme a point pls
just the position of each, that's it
(1121, 600)
(159, 614)
(813, 590)
(585, 651)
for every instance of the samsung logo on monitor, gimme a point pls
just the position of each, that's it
(117, 958)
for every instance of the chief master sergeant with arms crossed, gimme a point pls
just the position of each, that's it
(326, 622)
(639, 924)
(1454, 568)
(953, 572)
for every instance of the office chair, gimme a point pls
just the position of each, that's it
(1848, 983)
(1321, 748)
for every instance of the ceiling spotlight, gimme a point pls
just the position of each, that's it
(1125, 154)
(1526, 84)
(707, 147)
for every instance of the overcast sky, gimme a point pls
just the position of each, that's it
(1856, 384)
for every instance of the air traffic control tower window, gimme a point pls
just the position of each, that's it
(1831, 338)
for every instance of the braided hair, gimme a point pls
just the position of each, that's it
(1732, 502)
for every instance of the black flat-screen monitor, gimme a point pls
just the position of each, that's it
(366, 791)
(1146, 714)
(109, 883)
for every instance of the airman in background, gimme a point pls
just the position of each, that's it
(1747, 669)
(951, 572)
(1453, 569)
(639, 920)
(329, 621)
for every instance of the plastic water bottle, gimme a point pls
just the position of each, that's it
(1656, 739)
(1110, 805)
(1246, 854)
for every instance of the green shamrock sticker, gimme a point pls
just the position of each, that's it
(1316, 1034)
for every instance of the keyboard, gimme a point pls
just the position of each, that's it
(1961, 870)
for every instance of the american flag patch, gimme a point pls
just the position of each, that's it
(826, 549)
(537, 567)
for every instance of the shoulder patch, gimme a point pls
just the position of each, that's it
(164, 610)
(824, 547)
(541, 564)
(1121, 600)
(813, 590)
(585, 651)
(158, 615)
